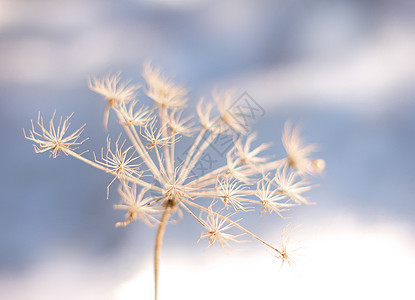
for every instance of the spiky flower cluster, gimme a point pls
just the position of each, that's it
(245, 181)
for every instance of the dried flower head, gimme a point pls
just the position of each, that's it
(140, 117)
(247, 155)
(205, 119)
(136, 205)
(113, 91)
(289, 184)
(120, 161)
(231, 193)
(170, 185)
(287, 251)
(162, 90)
(154, 136)
(271, 199)
(231, 121)
(216, 227)
(178, 125)
(236, 170)
(53, 139)
(298, 153)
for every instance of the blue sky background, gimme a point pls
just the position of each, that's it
(343, 69)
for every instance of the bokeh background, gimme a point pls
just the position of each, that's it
(344, 69)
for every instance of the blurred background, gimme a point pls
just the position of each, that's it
(344, 69)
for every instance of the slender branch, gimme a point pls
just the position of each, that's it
(138, 145)
(196, 157)
(172, 152)
(233, 223)
(157, 247)
(129, 178)
(191, 151)
(192, 214)
(207, 176)
(163, 117)
(150, 163)
(159, 159)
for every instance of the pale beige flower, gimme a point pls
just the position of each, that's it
(162, 90)
(173, 188)
(231, 122)
(247, 155)
(119, 161)
(136, 206)
(178, 125)
(205, 119)
(140, 117)
(53, 139)
(288, 250)
(272, 200)
(298, 154)
(231, 192)
(113, 91)
(289, 185)
(154, 136)
(236, 170)
(216, 227)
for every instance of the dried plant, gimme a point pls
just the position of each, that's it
(245, 181)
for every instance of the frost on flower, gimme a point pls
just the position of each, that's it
(156, 184)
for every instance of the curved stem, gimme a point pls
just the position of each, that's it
(157, 247)
(98, 166)
(134, 138)
(234, 224)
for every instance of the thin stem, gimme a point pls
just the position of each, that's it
(172, 152)
(129, 178)
(157, 247)
(207, 176)
(150, 163)
(273, 165)
(233, 223)
(196, 157)
(163, 117)
(138, 145)
(191, 151)
(192, 214)
(160, 160)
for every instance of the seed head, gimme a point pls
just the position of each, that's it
(231, 193)
(298, 154)
(53, 138)
(136, 205)
(289, 185)
(272, 200)
(216, 227)
(113, 91)
(120, 161)
(141, 117)
(231, 122)
(248, 156)
(164, 93)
